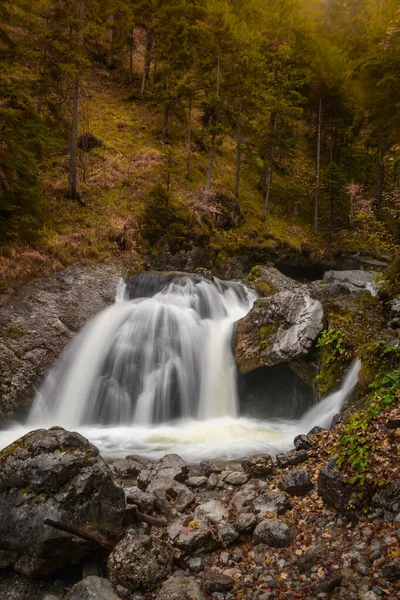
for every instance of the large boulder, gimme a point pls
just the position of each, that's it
(140, 562)
(274, 533)
(180, 587)
(277, 330)
(36, 325)
(192, 539)
(170, 495)
(268, 281)
(59, 475)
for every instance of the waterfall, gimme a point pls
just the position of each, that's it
(154, 373)
(161, 352)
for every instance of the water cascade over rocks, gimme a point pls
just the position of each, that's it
(155, 373)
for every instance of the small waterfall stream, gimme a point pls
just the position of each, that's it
(155, 373)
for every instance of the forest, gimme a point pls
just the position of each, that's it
(121, 120)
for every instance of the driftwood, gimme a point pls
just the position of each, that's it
(81, 533)
(96, 539)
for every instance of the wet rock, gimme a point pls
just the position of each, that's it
(195, 563)
(192, 539)
(303, 442)
(331, 487)
(213, 511)
(171, 466)
(312, 556)
(217, 582)
(181, 587)
(274, 533)
(277, 330)
(59, 475)
(196, 482)
(245, 522)
(244, 499)
(258, 466)
(236, 478)
(316, 429)
(14, 586)
(272, 502)
(170, 495)
(143, 501)
(36, 325)
(140, 562)
(92, 588)
(292, 458)
(297, 484)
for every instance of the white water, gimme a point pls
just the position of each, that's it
(153, 375)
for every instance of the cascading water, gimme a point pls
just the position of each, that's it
(155, 373)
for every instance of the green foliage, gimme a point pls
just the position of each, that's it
(356, 444)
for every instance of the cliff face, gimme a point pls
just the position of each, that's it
(38, 322)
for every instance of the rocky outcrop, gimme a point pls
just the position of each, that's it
(36, 325)
(267, 281)
(277, 330)
(334, 491)
(355, 281)
(59, 475)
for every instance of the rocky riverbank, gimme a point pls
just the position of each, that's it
(257, 529)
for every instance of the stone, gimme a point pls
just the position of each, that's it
(269, 280)
(217, 582)
(271, 503)
(292, 458)
(212, 511)
(244, 499)
(170, 495)
(59, 475)
(391, 571)
(226, 534)
(355, 280)
(171, 466)
(212, 481)
(258, 466)
(297, 484)
(389, 497)
(92, 588)
(192, 539)
(329, 585)
(274, 533)
(125, 468)
(245, 522)
(37, 324)
(331, 487)
(140, 562)
(277, 330)
(142, 501)
(181, 587)
(303, 442)
(311, 556)
(393, 424)
(196, 482)
(236, 478)
(207, 468)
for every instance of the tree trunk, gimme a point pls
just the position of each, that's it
(318, 169)
(270, 167)
(237, 174)
(130, 46)
(381, 179)
(189, 145)
(214, 135)
(72, 174)
(147, 61)
(167, 111)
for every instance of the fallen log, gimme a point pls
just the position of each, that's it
(81, 533)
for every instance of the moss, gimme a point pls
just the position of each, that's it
(265, 289)
(352, 322)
